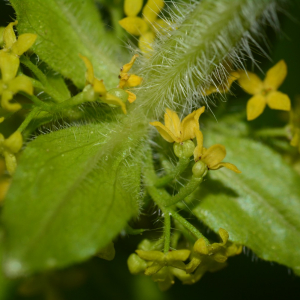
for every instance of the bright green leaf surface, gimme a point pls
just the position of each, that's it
(260, 208)
(73, 192)
(66, 28)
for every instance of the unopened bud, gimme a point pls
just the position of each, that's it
(136, 265)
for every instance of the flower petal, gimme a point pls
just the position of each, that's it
(278, 100)
(126, 68)
(228, 166)
(89, 75)
(214, 155)
(14, 142)
(172, 122)
(181, 255)
(151, 255)
(153, 269)
(131, 96)
(255, 107)
(199, 148)
(111, 99)
(250, 82)
(190, 124)
(9, 36)
(152, 9)
(9, 64)
(145, 41)
(132, 7)
(133, 81)
(165, 132)
(24, 42)
(21, 83)
(134, 25)
(6, 104)
(275, 76)
(99, 87)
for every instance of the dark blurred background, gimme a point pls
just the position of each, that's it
(246, 276)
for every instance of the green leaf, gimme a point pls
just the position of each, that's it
(260, 208)
(65, 29)
(73, 192)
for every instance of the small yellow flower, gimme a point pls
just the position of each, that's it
(129, 80)
(223, 88)
(9, 84)
(265, 92)
(212, 156)
(99, 87)
(146, 26)
(17, 46)
(218, 252)
(14, 47)
(159, 260)
(9, 147)
(176, 131)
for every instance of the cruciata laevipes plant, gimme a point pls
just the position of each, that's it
(93, 154)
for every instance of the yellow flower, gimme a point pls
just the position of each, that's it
(99, 87)
(159, 260)
(15, 47)
(218, 252)
(9, 84)
(9, 147)
(265, 92)
(223, 88)
(146, 26)
(212, 156)
(176, 131)
(129, 80)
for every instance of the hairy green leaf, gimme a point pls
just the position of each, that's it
(65, 29)
(260, 208)
(73, 192)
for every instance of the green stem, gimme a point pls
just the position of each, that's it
(167, 232)
(185, 191)
(28, 119)
(186, 224)
(37, 101)
(175, 172)
(272, 132)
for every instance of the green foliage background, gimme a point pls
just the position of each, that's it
(246, 277)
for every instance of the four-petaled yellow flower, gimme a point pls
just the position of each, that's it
(159, 260)
(9, 84)
(212, 156)
(145, 27)
(265, 92)
(203, 253)
(14, 47)
(99, 87)
(176, 131)
(129, 80)
(9, 147)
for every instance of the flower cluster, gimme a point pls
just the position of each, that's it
(145, 27)
(116, 96)
(176, 131)
(163, 267)
(10, 84)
